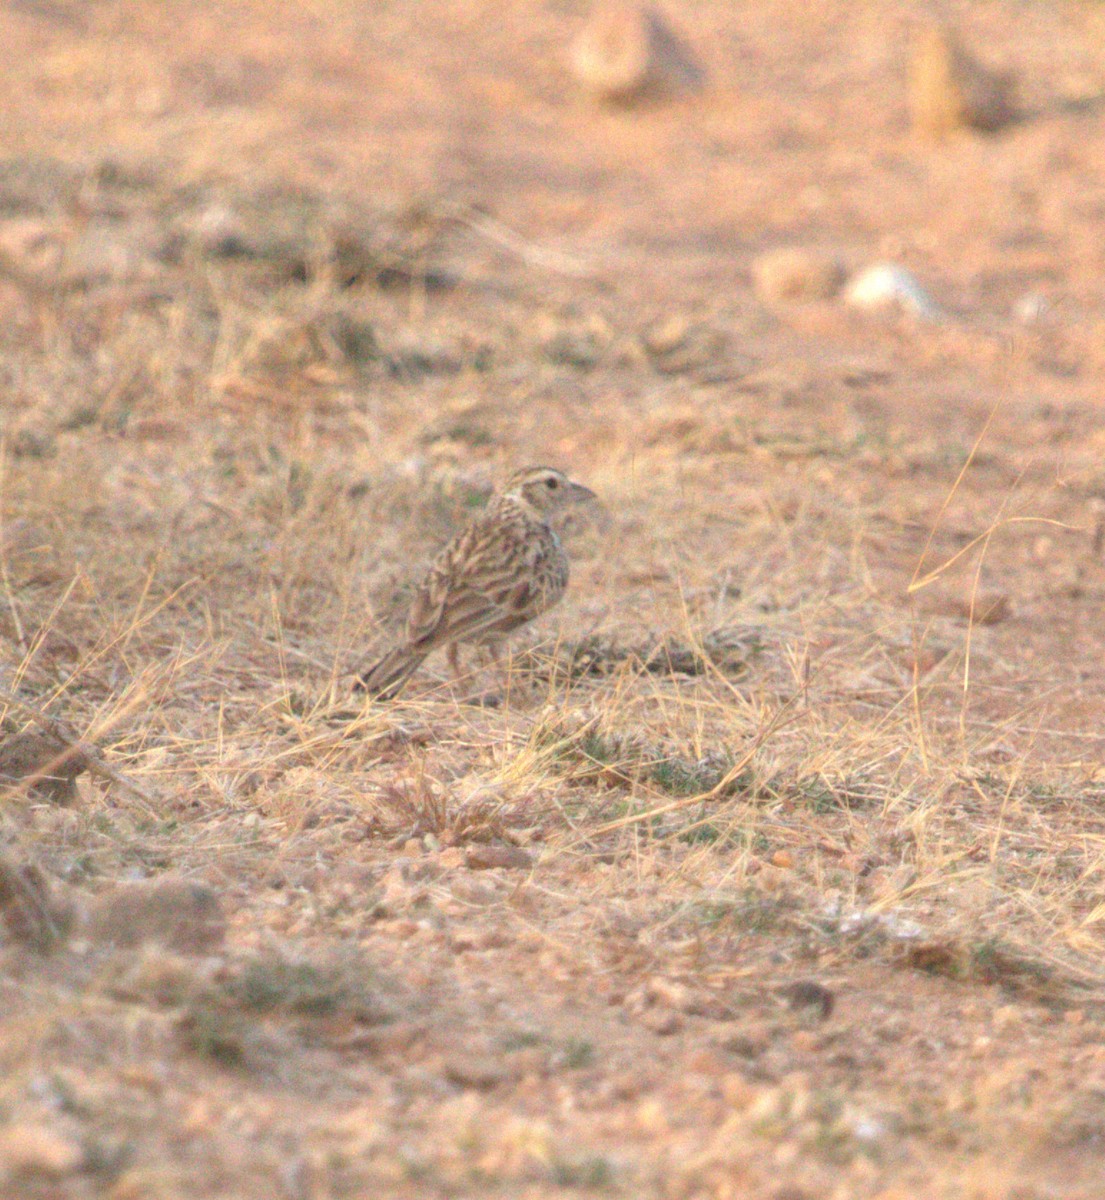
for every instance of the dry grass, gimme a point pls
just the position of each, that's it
(721, 787)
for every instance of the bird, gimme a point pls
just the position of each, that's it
(504, 569)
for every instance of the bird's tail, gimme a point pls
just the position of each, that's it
(384, 680)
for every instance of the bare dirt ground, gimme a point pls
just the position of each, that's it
(766, 876)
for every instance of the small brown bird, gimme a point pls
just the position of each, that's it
(506, 568)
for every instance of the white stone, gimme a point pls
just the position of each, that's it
(888, 286)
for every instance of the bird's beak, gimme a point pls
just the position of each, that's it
(579, 494)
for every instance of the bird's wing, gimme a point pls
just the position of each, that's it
(477, 582)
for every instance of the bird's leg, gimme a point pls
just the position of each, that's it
(502, 673)
(453, 653)
(487, 655)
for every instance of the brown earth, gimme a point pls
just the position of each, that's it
(772, 867)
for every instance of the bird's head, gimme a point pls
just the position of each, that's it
(545, 489)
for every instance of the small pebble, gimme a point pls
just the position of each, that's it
(1031, 308)
(888, 286)
(475, 1071)
(792, 273)
(627, 52)
(486, 858)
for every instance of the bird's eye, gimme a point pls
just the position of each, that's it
(552, 483)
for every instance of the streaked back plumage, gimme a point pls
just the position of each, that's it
(503, 570)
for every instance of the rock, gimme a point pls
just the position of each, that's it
(949, 90)
(479, 893)
(398, 893)
(1031, 308)
(480, 1072)
(650, 1116)
(746, 1040)
(177, 913)
(804, 1041)
(486, 858)
(984, 608)
(792, 273)
(32, 254)
(48, 765)
(580, 349)
(219, 231)
(668, 993)
(354, 337)
(677, 346)
(663, 1022)
(667, 336)
(809, 994)
(887, 286)
(869, 1131)
(627, 52)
